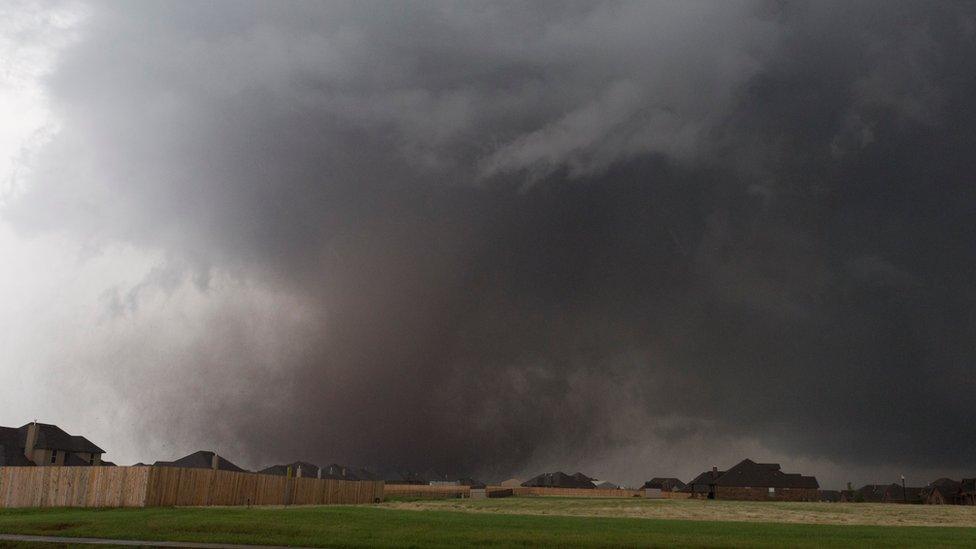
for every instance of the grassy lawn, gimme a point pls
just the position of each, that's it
(379, 526)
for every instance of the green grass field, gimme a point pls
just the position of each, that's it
(383, 526)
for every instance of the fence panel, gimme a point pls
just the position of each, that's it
(423, 491)
(58, 486)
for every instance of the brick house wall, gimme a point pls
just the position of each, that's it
(761, 493)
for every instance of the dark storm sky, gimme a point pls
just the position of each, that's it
(546, 229)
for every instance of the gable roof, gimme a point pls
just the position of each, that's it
(750, 473)
(343, 472)
(664, 483)
(200, 460)
(308, 469)
(946, 487)
(702, 481)
(12, 449)
(559, 480)
(873, 493)
(52, 437)
(895, 493)
(468, 481)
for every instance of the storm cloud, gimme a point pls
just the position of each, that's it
(490, 237)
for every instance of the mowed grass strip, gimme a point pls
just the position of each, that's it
(371, 526)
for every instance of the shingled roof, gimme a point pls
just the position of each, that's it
(559, 480)
(702, 482)
(750, 473)
(52, 437)
(666, 484)
(946, 487)
(200, 460)
(12, 448)
(308, 469)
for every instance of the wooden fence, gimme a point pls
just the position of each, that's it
(577, 492)
(423, 491)
(170, 486)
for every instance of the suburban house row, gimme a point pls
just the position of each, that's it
(41, 444)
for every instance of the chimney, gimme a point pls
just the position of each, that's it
(215, 462)
(319, 474)
(299, 475)
(32, 431)
(714, 471)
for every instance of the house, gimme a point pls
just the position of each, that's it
(297, 469)
(703, 486)
(830, 496)
(967, 492)
(896, 493)
(474, 484)
(559, 480)
(943, 491)
(664, 484)
(749, 480)
(606, 485)
(201, 460)
(344, 472)
(884, 493)
(43, 444)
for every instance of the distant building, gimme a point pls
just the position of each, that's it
(943, 491)
(298, 469)
(345, 472)
(830, 496)
(512, 483)
(669, 484)
(749, 480)
(967, 492)
(473, 483)
(559, 480)
(703, 486)
(606, 485)
(42, 444)
(201, 460)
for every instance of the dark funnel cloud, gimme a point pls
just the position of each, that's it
(537, 234)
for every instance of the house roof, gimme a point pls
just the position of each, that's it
(967, 485)
(344, 472)
(944, 486)
(607, 485)
(559, 480)
(200, 460)
(12, 449)
(896, 493)
(52, 437)
(467, 481)
(664, 483)
(702, 481)
(308, 469)
(750, 473)
(874, 493)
